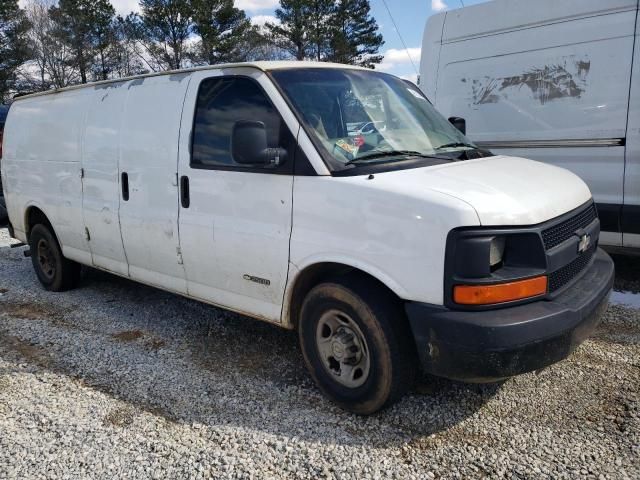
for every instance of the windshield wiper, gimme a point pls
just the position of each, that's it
(393, 153)
(456, 144)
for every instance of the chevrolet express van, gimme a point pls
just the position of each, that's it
(554, 81)
(243, 186)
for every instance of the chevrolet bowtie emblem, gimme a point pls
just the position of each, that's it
(584, 243)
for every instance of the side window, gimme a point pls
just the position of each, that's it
(221, 102)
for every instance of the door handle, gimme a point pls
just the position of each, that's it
(124, 177)
(184, 192)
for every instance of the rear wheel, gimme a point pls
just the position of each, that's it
(4, 217)
(356, 344)
(55, 272)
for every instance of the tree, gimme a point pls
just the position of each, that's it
(355, 39)
(223, 31)
(84, 26)
(37, 12)
(292, 34)
(328, 30)
(127, 54)
(320, 17)
(51, 62)
(258, 45)
(14, 48)
(167, 25)
(101, 36)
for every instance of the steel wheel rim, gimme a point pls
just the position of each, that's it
(46, 259)
(343, 349)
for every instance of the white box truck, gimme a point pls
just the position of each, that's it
(397, 247)
(555, 81)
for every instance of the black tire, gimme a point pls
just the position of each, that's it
(55, 272)
(379, 317)
(4, 217)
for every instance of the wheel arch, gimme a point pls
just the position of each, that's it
(317, 272)
(34, 215)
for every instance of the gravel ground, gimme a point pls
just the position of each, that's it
(118, 380)
(627, 273)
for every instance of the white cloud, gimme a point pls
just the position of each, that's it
(395, 58)
(256, 5)
(124, 7)
(260, 20)
(438, 5)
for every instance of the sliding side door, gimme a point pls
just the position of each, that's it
(148, 179)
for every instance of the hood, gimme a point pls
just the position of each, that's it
(503, 190)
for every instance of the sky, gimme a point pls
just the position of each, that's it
(409, 15)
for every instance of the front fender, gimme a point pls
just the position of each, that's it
(390, 227)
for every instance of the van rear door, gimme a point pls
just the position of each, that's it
(235, 220)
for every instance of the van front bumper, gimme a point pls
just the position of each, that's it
(489, 345)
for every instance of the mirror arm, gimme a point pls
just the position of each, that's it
(274, 156)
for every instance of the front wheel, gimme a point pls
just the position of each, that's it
(356, 344)
(55, 272)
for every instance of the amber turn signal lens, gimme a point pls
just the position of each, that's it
(499, 293)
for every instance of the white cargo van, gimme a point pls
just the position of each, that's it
(555, 81)
(243, 186)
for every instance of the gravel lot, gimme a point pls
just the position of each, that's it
(118, 380)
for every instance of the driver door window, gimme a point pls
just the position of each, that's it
(222, 102)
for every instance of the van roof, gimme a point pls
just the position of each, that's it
(499, 16)
(264, 66)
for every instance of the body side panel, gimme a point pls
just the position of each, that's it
(430, 54)
(41, 165)
(631, 209)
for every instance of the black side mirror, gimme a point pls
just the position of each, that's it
(249, 145)
(460, 123)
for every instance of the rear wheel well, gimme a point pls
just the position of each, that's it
(34, 216)
(317, 274)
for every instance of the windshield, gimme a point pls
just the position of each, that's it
(365, 117)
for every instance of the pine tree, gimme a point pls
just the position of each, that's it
(223, 30)
(328, 30)
(166, 26)
(292, 34)
(321, 16)
(84, 25)
(355, 38)
(102, 37)
(14, 49)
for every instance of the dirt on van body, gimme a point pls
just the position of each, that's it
(118, 380)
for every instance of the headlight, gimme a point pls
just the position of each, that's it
(493, 266)
(496, 251)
